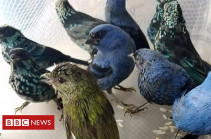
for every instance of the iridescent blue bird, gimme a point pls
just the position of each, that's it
(44, 56)
(25, 79)
(173, 41)
(77, 24)
(155, 22)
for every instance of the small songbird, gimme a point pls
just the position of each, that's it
(25, 79)
(155, 22)
(87, 112)
(159, 80)
(112, 63)
(191, 112)
(77, 24)
(44, 56)
(173, 41)
(116, 14)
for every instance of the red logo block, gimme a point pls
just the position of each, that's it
(28, 122)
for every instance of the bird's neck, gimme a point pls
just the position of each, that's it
(115, 6)
(12, 41)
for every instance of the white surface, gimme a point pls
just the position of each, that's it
(38, 20)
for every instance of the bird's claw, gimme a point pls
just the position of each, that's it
(134, 110)
(21, 107)
(124, 89)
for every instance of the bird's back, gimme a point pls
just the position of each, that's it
(173, 40)
(91, 117)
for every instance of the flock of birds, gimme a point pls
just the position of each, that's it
(171, 74)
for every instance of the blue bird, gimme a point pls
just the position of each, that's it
(77, 24)
(25, 79)
(173, 41)
(155, 22)
(159, 80)
(111, 64)
(44, 56)
(116, 14)
(191, 112)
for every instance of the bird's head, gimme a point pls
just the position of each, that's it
(64, 9)
(8, 32)
(107, 38)
(146, 57)
(65, 77)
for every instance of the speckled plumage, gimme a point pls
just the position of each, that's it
(116, 14)
(44, 56)
(25, 78)
(173, 40)
(111, 64)
(88, 114)
(159, 80)
(77, 24)
(191, 113)
(155, 22)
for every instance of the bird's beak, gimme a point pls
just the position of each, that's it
(92, 41)
(132, 55)
(46, 78)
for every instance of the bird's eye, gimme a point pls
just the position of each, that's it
(101, 34)
(61, 80)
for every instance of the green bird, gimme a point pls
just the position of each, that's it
(155, 22)
(87, 112)
(173, 40)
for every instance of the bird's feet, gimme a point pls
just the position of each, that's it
(21, 107)
(135, 109)
(119, 87)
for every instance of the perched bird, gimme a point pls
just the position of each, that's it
(159, 80)
(116, 14)
(77, 24)
(25, 79)
(44, 56)
(155, 22)
(88, 113)
(191, 112)
(173, 40)
(111, 64)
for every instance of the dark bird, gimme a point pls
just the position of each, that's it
(111, 65)
(44, 56)
(116, 14)
(173, 40)
(77, 24)
(88, 113)
(155, 22)
(25, 79)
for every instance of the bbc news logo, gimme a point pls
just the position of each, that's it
(28, 122)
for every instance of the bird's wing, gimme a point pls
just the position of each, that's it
(99, 71)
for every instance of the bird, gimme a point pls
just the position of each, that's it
(155, 22)
(44, 56)
(159, 81)
(112, 63)
(88, 113)
(77, 24)
(116, 14)
(25, 79)
(191, 112)
(173, 41)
